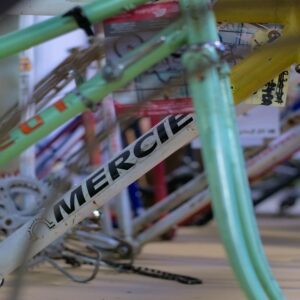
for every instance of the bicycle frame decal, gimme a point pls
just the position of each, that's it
(119, 166)
(157, 144)
(31, 125)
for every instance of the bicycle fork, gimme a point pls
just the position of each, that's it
(209, 84)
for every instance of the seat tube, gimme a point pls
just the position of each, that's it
(215, 119)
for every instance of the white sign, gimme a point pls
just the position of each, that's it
(260, 122)
(256, 125)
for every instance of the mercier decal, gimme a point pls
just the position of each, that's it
(121, 165)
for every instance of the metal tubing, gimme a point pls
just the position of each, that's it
(253, 11)
(12, 43)
(282, 148)
(106, 221)
(124, 215)
(217, 134)
(92, 148)
(173, 218)
(94, 90)
(158, 173)
(262, 66)
(272, 11)
(97, 189)
(244, 203)
(11, 248)
(278, 151)
(171, 201)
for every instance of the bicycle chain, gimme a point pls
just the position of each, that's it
(130, 268)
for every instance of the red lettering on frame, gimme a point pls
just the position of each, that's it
(60, 105)
(27, 129)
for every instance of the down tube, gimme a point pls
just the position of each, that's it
(95, 90)
(106, 182)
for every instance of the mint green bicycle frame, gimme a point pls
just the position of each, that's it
(213, 103)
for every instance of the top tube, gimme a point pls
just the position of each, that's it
(14, 42)
(268, 11)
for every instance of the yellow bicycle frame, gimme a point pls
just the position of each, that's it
(246, 78)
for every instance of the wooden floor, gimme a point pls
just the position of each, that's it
(195, 252)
